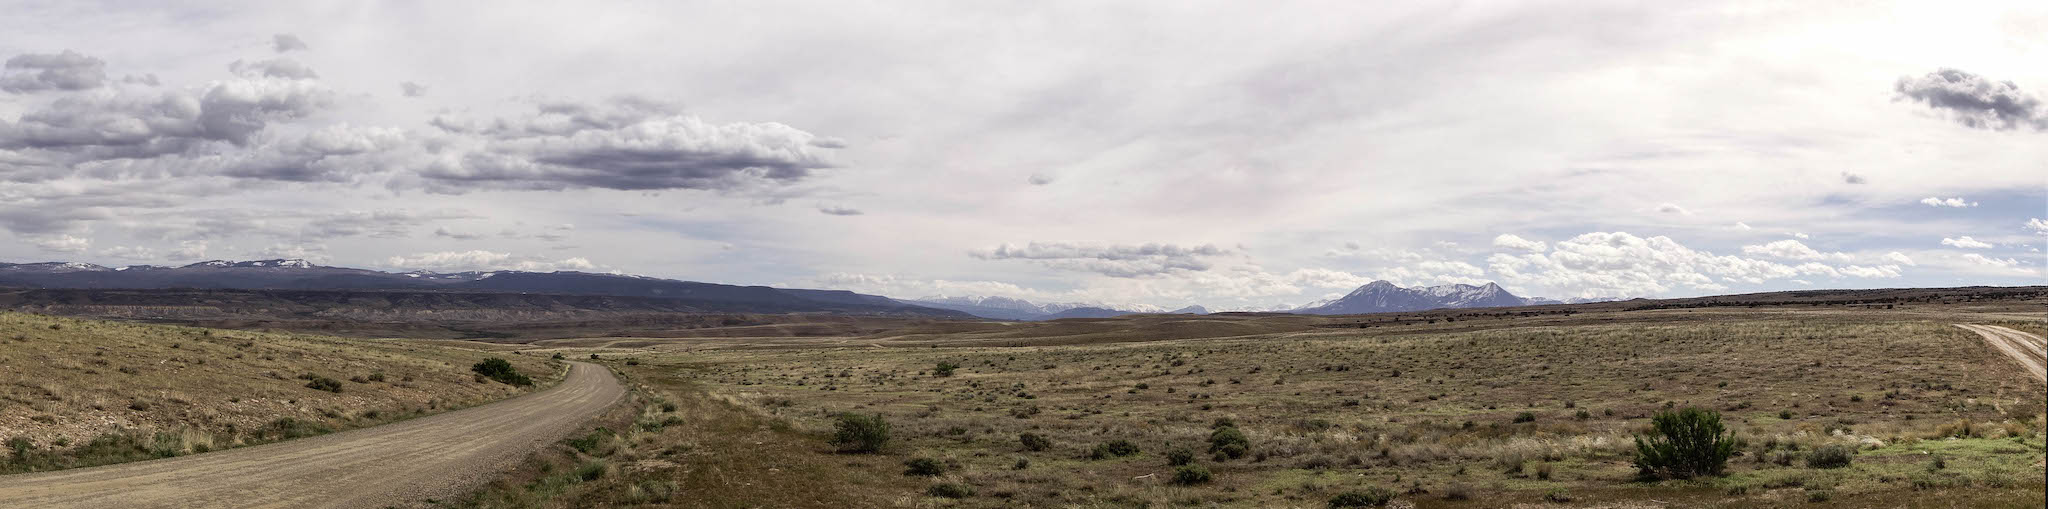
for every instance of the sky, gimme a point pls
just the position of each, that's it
(1238, 155)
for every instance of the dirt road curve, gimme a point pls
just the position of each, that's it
(396, 464)
(2023, 347)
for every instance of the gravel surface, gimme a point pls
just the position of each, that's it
(402, 464)
(2020, 346)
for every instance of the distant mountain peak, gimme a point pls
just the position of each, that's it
(1383, 296)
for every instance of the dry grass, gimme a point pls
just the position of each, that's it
(81, 392)
(1419, 411)
(678, 445)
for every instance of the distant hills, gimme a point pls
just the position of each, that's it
(683, 296)
(1005, 308)
(291, 274)
(1374, 297)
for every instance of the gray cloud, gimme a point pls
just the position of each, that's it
(287, 42)
(1974, 101)
(223, 128)
(133, 125)
(549, 233)
(37, 209)
(1039, 179)
(376, 223)
(839, 211)
(273, 68)
(1109, 260)
(1851, 178)
(623, 144)
(445, 233)
(68, 70)
(411, 89)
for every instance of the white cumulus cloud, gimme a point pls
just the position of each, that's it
(1957, 202)
(1511, 241)
(1965, 242)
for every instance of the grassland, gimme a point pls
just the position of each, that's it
(1471, 412)
(81, 392)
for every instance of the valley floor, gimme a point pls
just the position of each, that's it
(1541, 411)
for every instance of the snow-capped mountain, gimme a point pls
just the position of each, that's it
(1382, 296)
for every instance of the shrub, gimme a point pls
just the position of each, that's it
(860, 433)
(20, 446)
(950, 490)
(1687, 443)
(1113, 449)
(1557, 495)
(1181, 456)
(1525, 417)
(1189, 475)
(1034, 442)
(285, 428)
(1369, 497)
(1229, 442)
(498, 369)
(324, 384)
(1829, 456)
(1458, 491)
(590, 471)
(944, 369)
(557, 356)
(923, 466)
(591, 443)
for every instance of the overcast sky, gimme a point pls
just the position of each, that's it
(1239, 155)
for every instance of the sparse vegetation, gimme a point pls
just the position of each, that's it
(1113, 449)
(923, 467)
(321, 383)
(1369, 497)
(89, 393)
(1830, 456)
(1034, 442)
(498, 369)
(950, 490)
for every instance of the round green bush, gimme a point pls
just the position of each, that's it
(1229, 442)
(1034, 442)
(923, 466)
(860, 433)
(1189, 475)
(1369, 497)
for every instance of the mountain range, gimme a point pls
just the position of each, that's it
(1006, 308)
(292, 274)
(1374, 297)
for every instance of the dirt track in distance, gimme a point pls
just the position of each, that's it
(399, 464)
(2023, 347)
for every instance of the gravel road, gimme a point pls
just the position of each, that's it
(400, 464)
(2023, 347)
